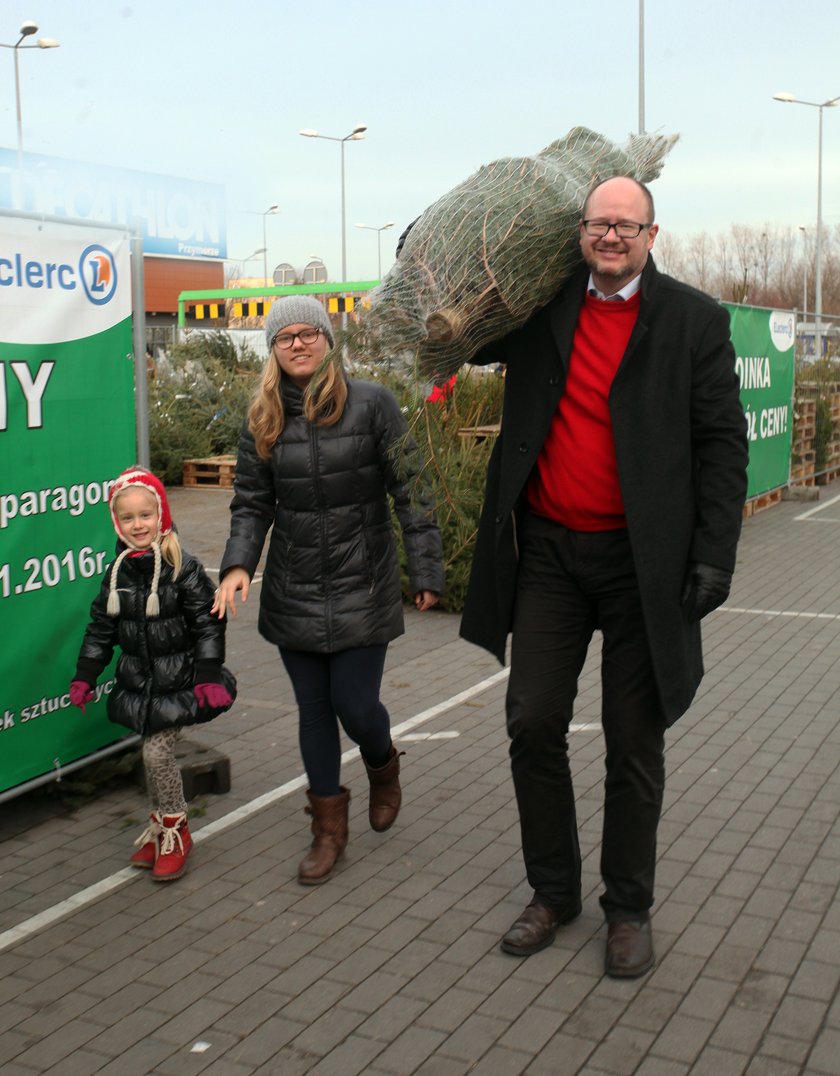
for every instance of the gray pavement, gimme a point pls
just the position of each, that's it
(393, 966)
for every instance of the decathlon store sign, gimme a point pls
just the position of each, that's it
(179, 217)
(66, 429)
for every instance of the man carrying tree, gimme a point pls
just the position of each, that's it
(614, 500)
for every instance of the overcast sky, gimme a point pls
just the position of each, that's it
(218, 91)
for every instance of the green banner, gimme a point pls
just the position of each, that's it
(764, 349)
(67, 427)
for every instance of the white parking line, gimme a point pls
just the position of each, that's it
(819, 508)
(428, 736)
(127, 874)
(778, 612)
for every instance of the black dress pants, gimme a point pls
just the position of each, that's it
(571, 583)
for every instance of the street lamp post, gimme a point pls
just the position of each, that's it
(251, 257)
(271, 209)
(240, 262)
(804, 273)
(379, 231)
(641, 66)
(27, 29)
(355, 135)
(789, 99)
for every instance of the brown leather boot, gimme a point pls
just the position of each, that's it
(385, 792)
(329, 828)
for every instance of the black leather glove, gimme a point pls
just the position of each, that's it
(705, 589)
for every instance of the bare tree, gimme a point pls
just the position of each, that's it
(669, 254)
(724, 267)
(785, 276)
(831, 271)
(745, 243)
(765, 265)
(701, 260)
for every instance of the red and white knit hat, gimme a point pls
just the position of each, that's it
(138, 477)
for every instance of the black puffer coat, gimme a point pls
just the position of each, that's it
(162, 657)
(332, 578)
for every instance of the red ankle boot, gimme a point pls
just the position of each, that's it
(175, 845)
(148, 841)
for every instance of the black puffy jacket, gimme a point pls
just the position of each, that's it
(332, 576)
(161, 656)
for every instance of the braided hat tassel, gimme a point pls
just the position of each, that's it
(153, 601)
(113, 607)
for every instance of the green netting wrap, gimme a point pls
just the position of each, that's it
(480, 260)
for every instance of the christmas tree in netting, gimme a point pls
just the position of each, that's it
(482, 258)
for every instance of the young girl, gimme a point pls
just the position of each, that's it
(318, 459)
(155, 603)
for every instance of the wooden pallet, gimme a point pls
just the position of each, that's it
(829, 475)
(214, 471)
(802, 474)
(759, 504)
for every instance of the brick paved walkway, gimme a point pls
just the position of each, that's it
(394, 966)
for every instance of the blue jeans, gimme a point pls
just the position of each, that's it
(333, 688)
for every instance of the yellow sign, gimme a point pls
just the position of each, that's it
(341, 304)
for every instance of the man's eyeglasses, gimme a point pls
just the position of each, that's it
(306, 336)
(624, 229)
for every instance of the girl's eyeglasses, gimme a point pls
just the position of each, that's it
(306, 336)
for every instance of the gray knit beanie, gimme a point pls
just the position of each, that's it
(297, 310)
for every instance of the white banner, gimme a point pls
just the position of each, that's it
(57, 289)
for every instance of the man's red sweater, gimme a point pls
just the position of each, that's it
(575, 481)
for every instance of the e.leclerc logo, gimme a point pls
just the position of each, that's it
(98, 274)
(782, 330)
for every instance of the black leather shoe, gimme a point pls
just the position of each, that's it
(536, 928)
(629, 949)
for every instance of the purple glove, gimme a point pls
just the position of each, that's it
(80, 693)
(215, 695)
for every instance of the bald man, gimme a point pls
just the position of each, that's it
(613, 503)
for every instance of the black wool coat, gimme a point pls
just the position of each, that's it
(681, 447)
(332, 576)
(162, 657)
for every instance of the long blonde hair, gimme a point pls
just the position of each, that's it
(323, 400)
(170, 550)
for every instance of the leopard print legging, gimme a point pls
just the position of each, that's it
(163, 777)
